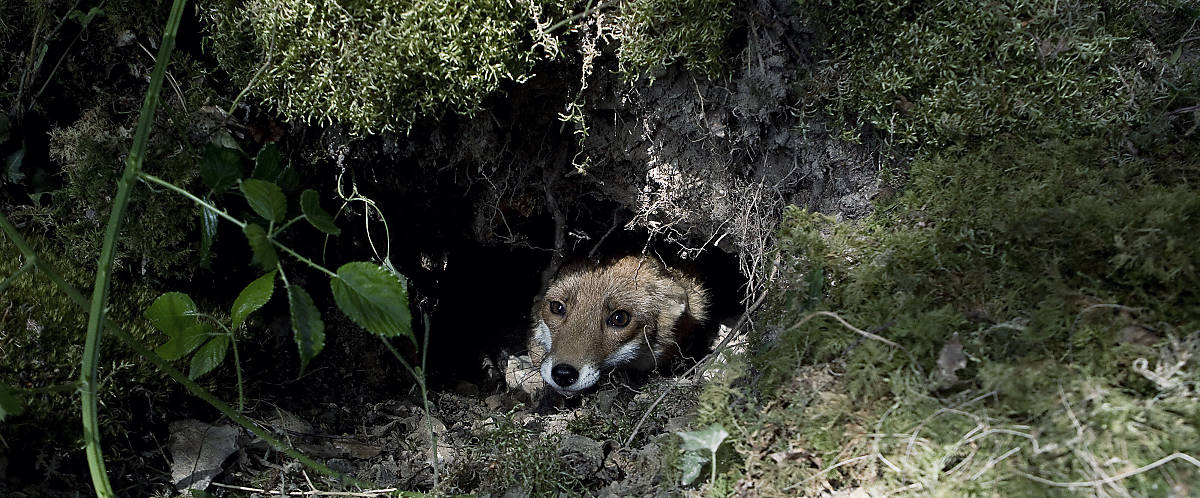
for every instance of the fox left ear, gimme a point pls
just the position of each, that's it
(677, 296)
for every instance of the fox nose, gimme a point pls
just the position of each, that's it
(564, 375)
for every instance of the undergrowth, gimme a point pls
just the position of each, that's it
(1067, 273)
(373, 66)
(960, 71)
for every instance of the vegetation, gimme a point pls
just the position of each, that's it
(1021, 312)
(657, 33)
(372, 66)
(1025, 312)
(954, 72)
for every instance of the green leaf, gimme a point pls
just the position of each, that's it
(208, 234)
(174, 314)
(221, 167)
(5, 126)
(209, 356)
(289, 180)
(12, 166)
(266, 199)
(10, 404)
(375, 298)
(307, 327)
(691, 464)
(317, 217)
(253, 297)
(264, 252)
(85, 18)
(268, 164)
(708, 439)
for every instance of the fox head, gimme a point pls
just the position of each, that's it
(619, 315)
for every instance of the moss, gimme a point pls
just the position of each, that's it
(960, 72)
(511, 457)
(39, 317)
(160, 231)
(371, 65)
(657, 33)
(1070, 279)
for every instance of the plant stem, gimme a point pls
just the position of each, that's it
(171, 186)
(420, 378)
(133, 165)
(154, 179)
(237, 367)
(166, 367)
(13, 278)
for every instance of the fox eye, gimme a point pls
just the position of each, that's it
(558, 308)
(619, 318)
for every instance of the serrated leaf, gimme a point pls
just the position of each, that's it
(265, 198)
(374, 298)
(10, 404)
(264, 252)
(310, 205)
(174, 314)
(691, 464)
(208, 235)
(253, 297)
(707, 439)
(307, 327)
(289, 180)
(268, 164)
(209, 356)
(221, 167)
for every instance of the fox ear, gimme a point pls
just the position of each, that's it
(676, 299)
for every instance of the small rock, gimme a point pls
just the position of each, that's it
(1134, 334)
(521, 374)
(494, 402)
(197, 452)
(464, 388)
(581, 455)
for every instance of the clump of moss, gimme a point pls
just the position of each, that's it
(371, 65)
(1068, 277)
(159, 241)
(957, 71)
(657, 33)
(513, 458)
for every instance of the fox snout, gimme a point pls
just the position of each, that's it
(570, 370)
(624, 314)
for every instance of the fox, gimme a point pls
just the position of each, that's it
(630, 313)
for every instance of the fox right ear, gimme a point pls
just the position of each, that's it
(677, 296)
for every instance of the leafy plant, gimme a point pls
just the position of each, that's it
(10, 404)
(700, 447)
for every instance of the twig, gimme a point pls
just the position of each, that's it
(1078, 317)
(368, 493)
(1087, 484)
(916, 366)
(699, 367)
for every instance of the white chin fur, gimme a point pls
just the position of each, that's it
(588, 375)
(542, 334)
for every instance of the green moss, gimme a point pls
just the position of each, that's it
(38, 317)
(657, 33)
(158, 237)
(1069, 277)
(511, 457)
(371, 65)
(959, 71)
